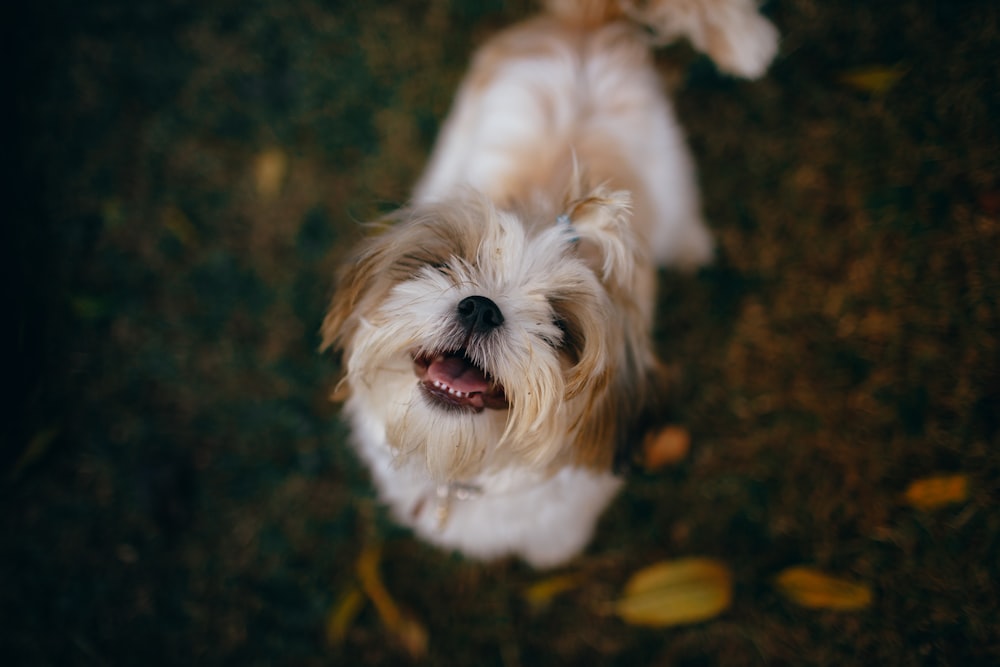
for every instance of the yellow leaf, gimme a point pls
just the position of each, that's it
(665, 447)
(687, 590)
(407, 630)
(813, 589)
(371, 582)
(876, 80)
(269, 169)
(342, 615)
(933, 492)
(180, 226)
(36, 449)
(541, 593)
(411, 635)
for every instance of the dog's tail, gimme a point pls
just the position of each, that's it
(732, 33)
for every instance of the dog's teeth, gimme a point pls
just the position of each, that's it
(438, 384)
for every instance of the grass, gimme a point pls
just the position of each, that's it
(188, 175)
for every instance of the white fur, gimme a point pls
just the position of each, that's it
(559, 100)
(413, 449)
(559, 177)
(518, 275)
(739, 39)
(543, 519)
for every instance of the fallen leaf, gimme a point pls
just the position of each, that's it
(876, 79)
(989, 201)
(688, 590)
(541, 593)
(665, 447)
(407, 630)
(36, 449)
(933, 492)
(343, 614)
(269, 169)
(813, 589)
(178, 224)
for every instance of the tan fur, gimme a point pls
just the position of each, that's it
(604, 370)
(557, 183)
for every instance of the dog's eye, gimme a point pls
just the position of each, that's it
(572, 341)
(444, 268)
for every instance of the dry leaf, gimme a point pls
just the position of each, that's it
(541, 593)
(36, 449)
(676, 592)
(933, 492)
(180, 226)
(876, 80)
(269, 169)
(665, 447)
(814, 589)
(411, 635)
(342, 615)
(407, 630)
(989, 201)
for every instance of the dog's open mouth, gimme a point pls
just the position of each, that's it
(453, 380)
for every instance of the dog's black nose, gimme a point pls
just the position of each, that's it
(478, 314)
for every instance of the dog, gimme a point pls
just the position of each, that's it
(496, 334)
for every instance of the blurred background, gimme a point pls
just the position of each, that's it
(185, 177)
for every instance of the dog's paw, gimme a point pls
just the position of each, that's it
(686, 247)
(732, 33)
(743, 46)
(695, 248)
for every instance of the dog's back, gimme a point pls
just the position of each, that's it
(576, 88)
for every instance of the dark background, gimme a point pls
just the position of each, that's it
(176, 488)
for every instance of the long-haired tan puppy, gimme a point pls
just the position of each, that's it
(496, 336)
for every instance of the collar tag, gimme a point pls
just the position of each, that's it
(448, 493)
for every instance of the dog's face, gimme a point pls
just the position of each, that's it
(480, 338)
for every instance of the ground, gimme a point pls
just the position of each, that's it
(184, 178)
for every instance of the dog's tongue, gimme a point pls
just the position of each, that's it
(458, 374)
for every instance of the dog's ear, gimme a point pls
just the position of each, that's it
(403, 243)
(616, 374)
(615, 422)
(355, 285)
(601, 220)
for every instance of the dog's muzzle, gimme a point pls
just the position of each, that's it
(450, 378)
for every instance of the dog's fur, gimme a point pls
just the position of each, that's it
(496, 336)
